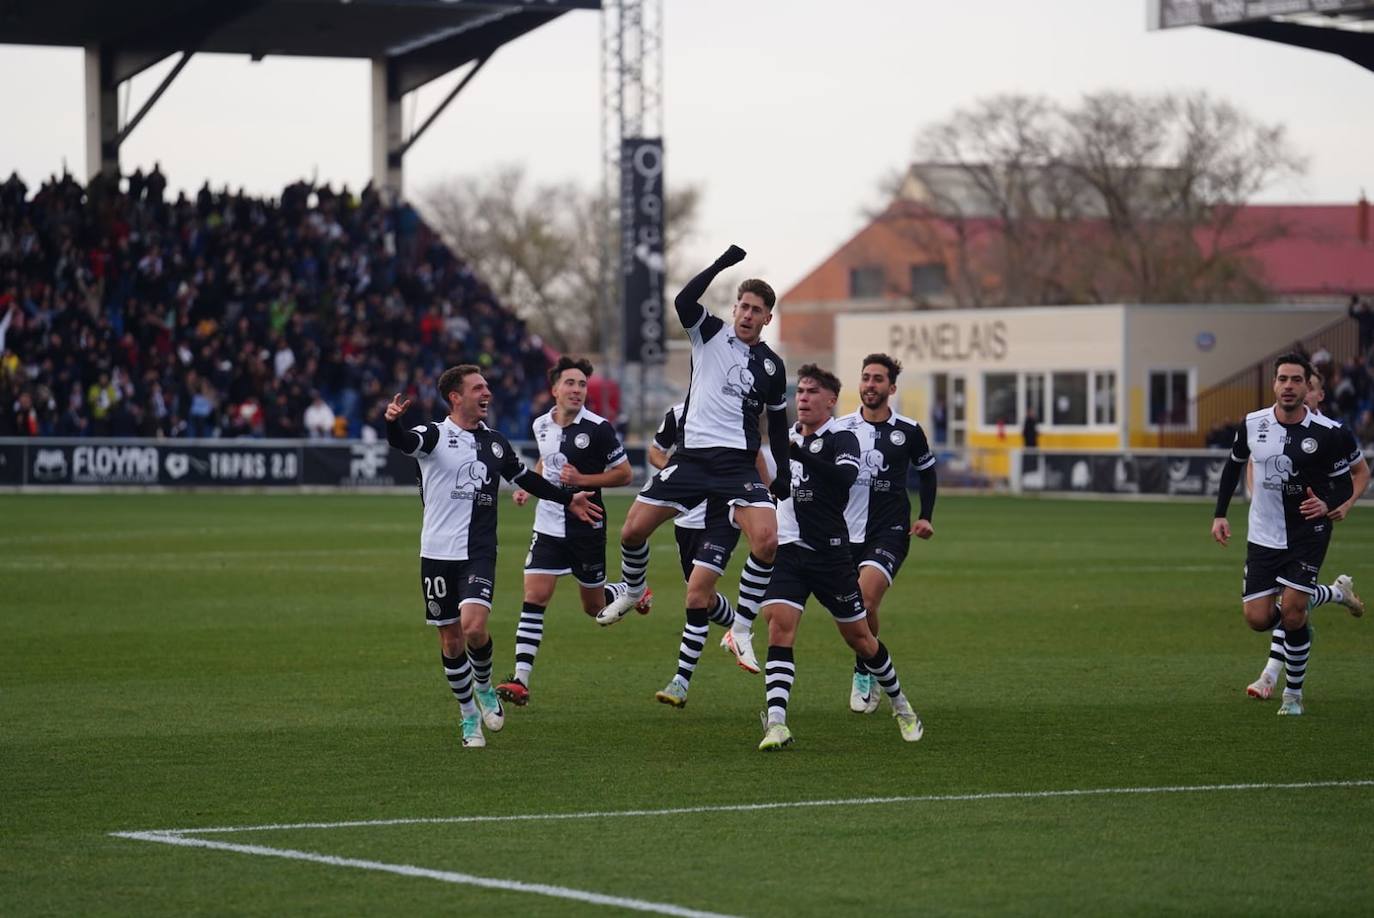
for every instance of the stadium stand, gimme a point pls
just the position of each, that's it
(125, 313)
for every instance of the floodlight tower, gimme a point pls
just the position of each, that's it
(631, 109)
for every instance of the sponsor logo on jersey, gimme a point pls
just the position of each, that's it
(1277, 470)
(582, 441)
(471, 476)
(739, 382)
(1309, 445)
(897, 438)
(874, 462)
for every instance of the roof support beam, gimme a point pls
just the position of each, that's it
(1356, 47)
(152, 100)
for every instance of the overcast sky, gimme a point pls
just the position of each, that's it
(788, 113)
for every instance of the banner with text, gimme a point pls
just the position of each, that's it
(642, 265)
(345, 465)
(1196, 473)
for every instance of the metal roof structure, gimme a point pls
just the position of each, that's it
(1344, 27)
(410, 43)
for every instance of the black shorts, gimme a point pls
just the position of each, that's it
(582, 556)
(829, 576)
(447, 585)
(688, 480)
(710, 547)
(886, 551)
(1269, 570)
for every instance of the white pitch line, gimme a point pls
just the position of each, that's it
(446, 876)
(754, 807)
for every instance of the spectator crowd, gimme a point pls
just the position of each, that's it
(1348, 385)
(126, 313)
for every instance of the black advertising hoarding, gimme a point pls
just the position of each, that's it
(1195, 474)
(357, 465)
(1176, 13)
(642, 264)
(168, 463)
(11, 465)
(58, 463)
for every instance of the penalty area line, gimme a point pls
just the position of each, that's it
(408, 870)
(774, 805)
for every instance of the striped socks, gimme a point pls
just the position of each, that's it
(634, 563)
(458, 672)
(693, 641)
(529, 633)
(481, 665)
(779, 673)
(753, 583)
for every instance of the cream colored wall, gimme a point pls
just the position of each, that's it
(975, 340)
(1166, 337)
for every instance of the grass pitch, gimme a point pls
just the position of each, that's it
(197, 661)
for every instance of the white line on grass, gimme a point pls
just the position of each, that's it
(446, 876)
(752, 807)
(179, 836)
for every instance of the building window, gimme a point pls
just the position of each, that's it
(1170, 398)
(1035, 395)
(928, 280)
(866, 282)
(999, 399)
(1070, 399)
(1104, 398)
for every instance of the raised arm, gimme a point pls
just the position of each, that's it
(838, 465)
(688, 301)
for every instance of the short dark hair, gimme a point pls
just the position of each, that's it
(1294, 358)
(825, 378)
(893, 367)
(451, 380)
(566, 363)
(760, 289)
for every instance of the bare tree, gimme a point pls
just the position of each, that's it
(1121, 197)
(540, 246)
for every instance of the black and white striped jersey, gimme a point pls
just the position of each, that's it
(732, 382)
(1288, 459)
(887, 450)
(459, 472)
(590, 445)
(824, 466)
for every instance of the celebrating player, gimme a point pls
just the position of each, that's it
(1342, 590)
(578, 449)
(1302, 470)
(460, 461)
(734, 375)
(879, 511)
(706, 538)
(814, 559)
